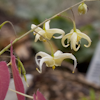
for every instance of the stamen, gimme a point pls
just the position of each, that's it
(72, 71)
(53, 67)
(34, 33)
(44, 40)
(38, 70)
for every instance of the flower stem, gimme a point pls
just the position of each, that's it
(9, 23)
(74, 26)
(2, 51)
(52, 53)
(21, 93)
(9, 64)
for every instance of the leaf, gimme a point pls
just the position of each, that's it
(17, 79)
(38, 96)
(4, 79)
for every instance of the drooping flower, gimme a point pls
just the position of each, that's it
(52, 61)
(74, 38)
(38, 96)
(47, 32)
(17, 79)
(4, 79)
(82, 8)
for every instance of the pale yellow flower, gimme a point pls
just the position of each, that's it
(82, 9)
(52, 61)
(74, 38)
(47, 32)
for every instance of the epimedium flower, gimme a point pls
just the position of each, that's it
(52, 61)
(46, 32)
(82, 8)
(74, 38)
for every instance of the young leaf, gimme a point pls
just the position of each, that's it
(4, 79)
(17, 79)
(20, 64)
(38, 96)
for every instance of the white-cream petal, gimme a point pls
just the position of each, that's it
(51, 32)
(44, 59)
(61, 57)
(67, 36)
(74, 42)
(47, 60)
(58, 52)
(87, 38)
(41, 54)
(37, 29)
(47, 26)
(37, 37)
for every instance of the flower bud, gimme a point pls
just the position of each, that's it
(82, 9)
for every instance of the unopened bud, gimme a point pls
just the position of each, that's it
(82, 9)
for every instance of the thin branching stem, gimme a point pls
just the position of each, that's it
(8, 46)
(28, 96)
(10, 24)
(52, 53)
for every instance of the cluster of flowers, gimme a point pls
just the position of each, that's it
(55, 59)
(73, 37)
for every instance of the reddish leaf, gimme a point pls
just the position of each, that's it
(17, 79)
(38, 96)
(4, 79)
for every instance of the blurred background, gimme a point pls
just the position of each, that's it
(59, 84)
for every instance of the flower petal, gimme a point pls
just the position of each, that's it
(37, 29)
(45, 58)
(58, 52)
(87, 38)
(17, 79)
(42, 54)
(37, 37)
(67, 36)
(51, 32)
(49, 62)
(59, 58)
(47, 26)
(4, 79)
(74, 42)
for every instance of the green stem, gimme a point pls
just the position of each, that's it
(9, 23)
(2, 51)
(74, 26)
(52, 53)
